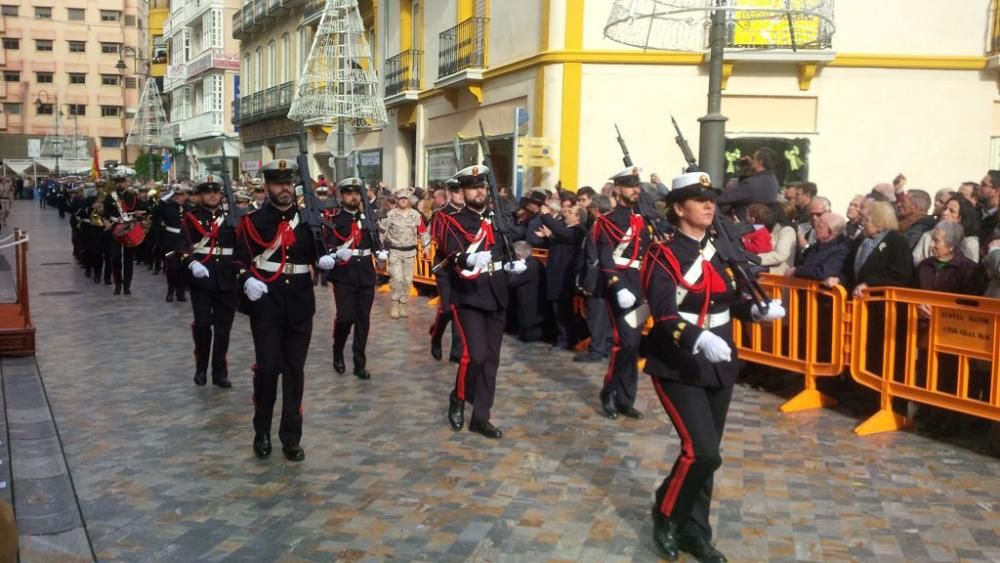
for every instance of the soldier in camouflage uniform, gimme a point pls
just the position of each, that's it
(400, 231)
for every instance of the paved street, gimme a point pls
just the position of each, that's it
(164, 471)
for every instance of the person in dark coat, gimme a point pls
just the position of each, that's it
(824, 261)
(565, 234)
(760, 186)
(912, 209)
(588, 278)
(528, 292)
(882, 256)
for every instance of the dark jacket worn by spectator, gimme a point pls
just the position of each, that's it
(915, 230)
(563, 247)
(824, 260)
(528, 291)
(958, 275)
(760, 187)
(889, 263)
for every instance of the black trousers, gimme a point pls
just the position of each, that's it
(213, 317)
(122, 263)
(445, 316)
(699, 417)
(481, 333)
(622, 376)
(598, 324)
(280, 349)
(176, 280)
(354, 309)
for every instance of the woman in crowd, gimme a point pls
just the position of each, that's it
(957, 210)
(775, 219)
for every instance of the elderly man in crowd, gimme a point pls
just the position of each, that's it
(911, 210)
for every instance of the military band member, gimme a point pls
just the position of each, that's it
(208, 256)
(275, 251)
(403, 231)
(692, 297)
(94, 236)
(171, 242)
(439, 224)
(352, 273)
(122, 204)
(479, 301)
(621, 237)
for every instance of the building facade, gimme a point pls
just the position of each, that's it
(71, 71)
(202, 78)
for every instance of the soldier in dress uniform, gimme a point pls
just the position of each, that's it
(243, 200)
(259, 193)
(621, 237)
(439, 224)
(208, 256)
(479, 301)
(171, 241)
(122, 203)
(402, 228)
(75, 204)
(692, 297)
(353, 276)
(275, 251)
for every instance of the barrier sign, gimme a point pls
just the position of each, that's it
(964, 330)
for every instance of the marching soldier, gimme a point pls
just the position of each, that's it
(74, 206)
(96, 249)
(621, 237)
(692, 296)
(401, 228)
(119, 205)
(208, 256)
(439, 225)
(353, 277)
(171, 241)
(479, 301)
(243, 200)
(275, 251)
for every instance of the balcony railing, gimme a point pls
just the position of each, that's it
(402, 72)
(258, 11)
(312, 10)
(994, 37)
(462, 47)
(272, 102)
(772, 31)
(208, 124)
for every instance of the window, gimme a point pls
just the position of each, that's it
(43, 13)
(110, 48)
(43, 77)
(130, 21)
(12, 109)
(77, 109)
(110, 80)
(111, 16)
(76, 14)
(110, 111)
(11, 76)
(43, 45)
(111, 142)
(44, 109)
(259, 71)
(11, 44)
(77, 78)
(130, 82)
(286, 57)
(212, 93)
(77, 46)
(247, 71)
(211, 29)
(8, 10)
(272, 63)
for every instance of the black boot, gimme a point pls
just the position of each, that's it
(665, 536)
(127, 290)
(180, 297)
(220, 378)
(338, 362)
(261, 446)
(486, 429)
(293, 453)
(456, 412)
(97, 277)
(118, 289)
(436, 349)
(361, 373)
(701, 549)
(608, 405)
(200, 377)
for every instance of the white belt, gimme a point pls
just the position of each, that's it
(711, 321)
(359, 252)
(288, 269)
(217, 251)
(173, 230)
(628, 262)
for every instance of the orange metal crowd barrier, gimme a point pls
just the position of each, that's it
(810, 340)
(422, 266)
(932, 348)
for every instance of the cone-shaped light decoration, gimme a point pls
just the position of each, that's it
(149, 128)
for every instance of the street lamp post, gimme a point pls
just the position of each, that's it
(136, 54)
(57, 140)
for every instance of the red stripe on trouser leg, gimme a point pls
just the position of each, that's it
(615, 347)
(463, 365)
(687, 451)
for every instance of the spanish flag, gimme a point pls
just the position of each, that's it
(95, 166)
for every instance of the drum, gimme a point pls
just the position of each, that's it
(129, 234)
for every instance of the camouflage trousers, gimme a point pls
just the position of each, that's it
(401, 274)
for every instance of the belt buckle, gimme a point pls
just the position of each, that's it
(489, 267)
(287, 269)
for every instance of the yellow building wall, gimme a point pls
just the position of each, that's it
(156, 18)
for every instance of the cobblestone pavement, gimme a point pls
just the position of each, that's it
(164, 469)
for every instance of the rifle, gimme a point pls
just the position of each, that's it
(501, 222)
(647, 208)
(311, 212)
(369, 220)
(232, 217)
(726, 243)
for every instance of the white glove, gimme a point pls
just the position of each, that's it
(254, 288)
(344, 254)
(515, 267)
(382, 255)
(714, 347)
(625, 298)
(480, 260)
(774, 312)
(198, 269)
(326, 262)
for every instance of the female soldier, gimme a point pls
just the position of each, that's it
(689, 356)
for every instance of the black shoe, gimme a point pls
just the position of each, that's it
(608, 405)
(97, 278)
(362, 373)
(107, 281)
(455, 359)
(87, 272)
(700, 549)
(486, 429)
(127, 291)
(436, 350)
(338, 363)
(181, 298)
(629, 412)
(261, 446)
(588, 358)
(456, 412)
(665, 536)
(220, 377)
(293, 453)
(170, 298)
(199, 377)
(118, 289)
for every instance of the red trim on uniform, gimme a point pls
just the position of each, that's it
(615, 346)
(687, 451)
(463, 366)
(615, 235)
(212, 233)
